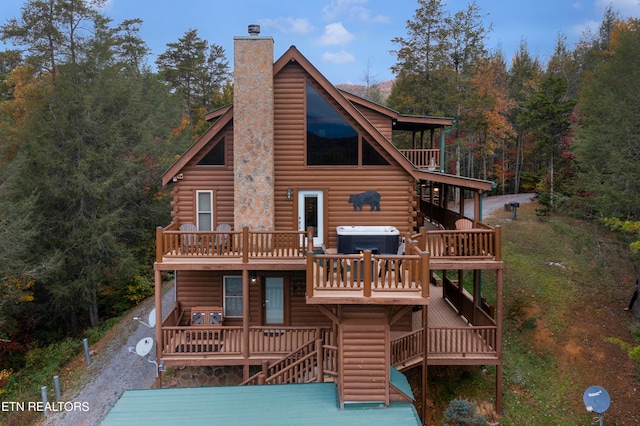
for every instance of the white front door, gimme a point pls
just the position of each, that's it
(311, 214)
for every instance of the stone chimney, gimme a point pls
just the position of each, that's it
(253, 131)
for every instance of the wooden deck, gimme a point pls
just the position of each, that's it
(451, 339)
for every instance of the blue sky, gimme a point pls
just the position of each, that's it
(344, 38)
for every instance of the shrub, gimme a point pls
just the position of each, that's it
(462, 412)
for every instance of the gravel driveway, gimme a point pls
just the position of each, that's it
(115, 369)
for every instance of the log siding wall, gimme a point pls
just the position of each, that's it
(396, 187)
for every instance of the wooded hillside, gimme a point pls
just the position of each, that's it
(87, 127)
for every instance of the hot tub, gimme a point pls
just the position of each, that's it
(378, 239)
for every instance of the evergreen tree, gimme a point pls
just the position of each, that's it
(524, 76)
(607, 135)
(195, 69)
(86, 173)
(547, 115)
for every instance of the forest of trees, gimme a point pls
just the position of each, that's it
(87, 126)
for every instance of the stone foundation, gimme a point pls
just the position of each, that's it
(189, 377)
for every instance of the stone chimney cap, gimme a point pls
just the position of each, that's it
(254, 29)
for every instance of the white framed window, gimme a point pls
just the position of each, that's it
(232, 288)
(204, 214)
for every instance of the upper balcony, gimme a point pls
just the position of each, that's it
(423, 158)
(330, 276)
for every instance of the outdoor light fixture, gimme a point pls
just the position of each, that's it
(289, 193)
(254, 279)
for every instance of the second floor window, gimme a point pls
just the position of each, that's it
(204, 204)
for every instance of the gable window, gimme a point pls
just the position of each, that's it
(232, 296)
(371, 157)
(204, 214)
(215, 157)
(331, 141)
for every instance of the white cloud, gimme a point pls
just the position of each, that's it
(335, 34)
(586, 28)
(338, 8)
(342, 57)
(353, 9)
(289, 25)
(364, 15)
(625, 7)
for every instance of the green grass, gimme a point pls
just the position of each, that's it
(550, 266)
(41, 365)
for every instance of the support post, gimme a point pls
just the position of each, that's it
(245, 311)
(158, 331)
(425, 357)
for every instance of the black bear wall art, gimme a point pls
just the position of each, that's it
(368, 197)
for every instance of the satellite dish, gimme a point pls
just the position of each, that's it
(152, 318)
(596, 399)
(144, 346)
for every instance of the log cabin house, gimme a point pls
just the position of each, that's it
(306, 247)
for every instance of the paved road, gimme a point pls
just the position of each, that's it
(490, 205)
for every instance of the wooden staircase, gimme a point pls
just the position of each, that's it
(311, 362)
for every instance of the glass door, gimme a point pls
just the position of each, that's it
(311, 214)
(273, 300)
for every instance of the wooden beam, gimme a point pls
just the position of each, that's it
(399, 314)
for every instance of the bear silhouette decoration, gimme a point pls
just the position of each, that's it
(368, 197)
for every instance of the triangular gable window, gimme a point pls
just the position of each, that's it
(215, 157)
(371, 157)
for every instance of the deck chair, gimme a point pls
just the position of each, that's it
(189, 241)
(222, 241)
(400, 252)
(464, 224)
(335, 265)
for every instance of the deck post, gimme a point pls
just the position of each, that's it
(310, 275)
(159, 244)
(245, 244)
(366, 272)
(310, 238)
(245, 313)
(425, 273)
(498, 318)
(425, 358)
(498, 243)
(319, 356)
(159, 343)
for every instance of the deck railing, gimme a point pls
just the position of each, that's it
(242, 244)
(477, 243)
(367, 275)
(458, 341)
(230, 340)
(423, 158)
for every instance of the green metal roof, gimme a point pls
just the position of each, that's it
(282, 405)
(400, 381)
